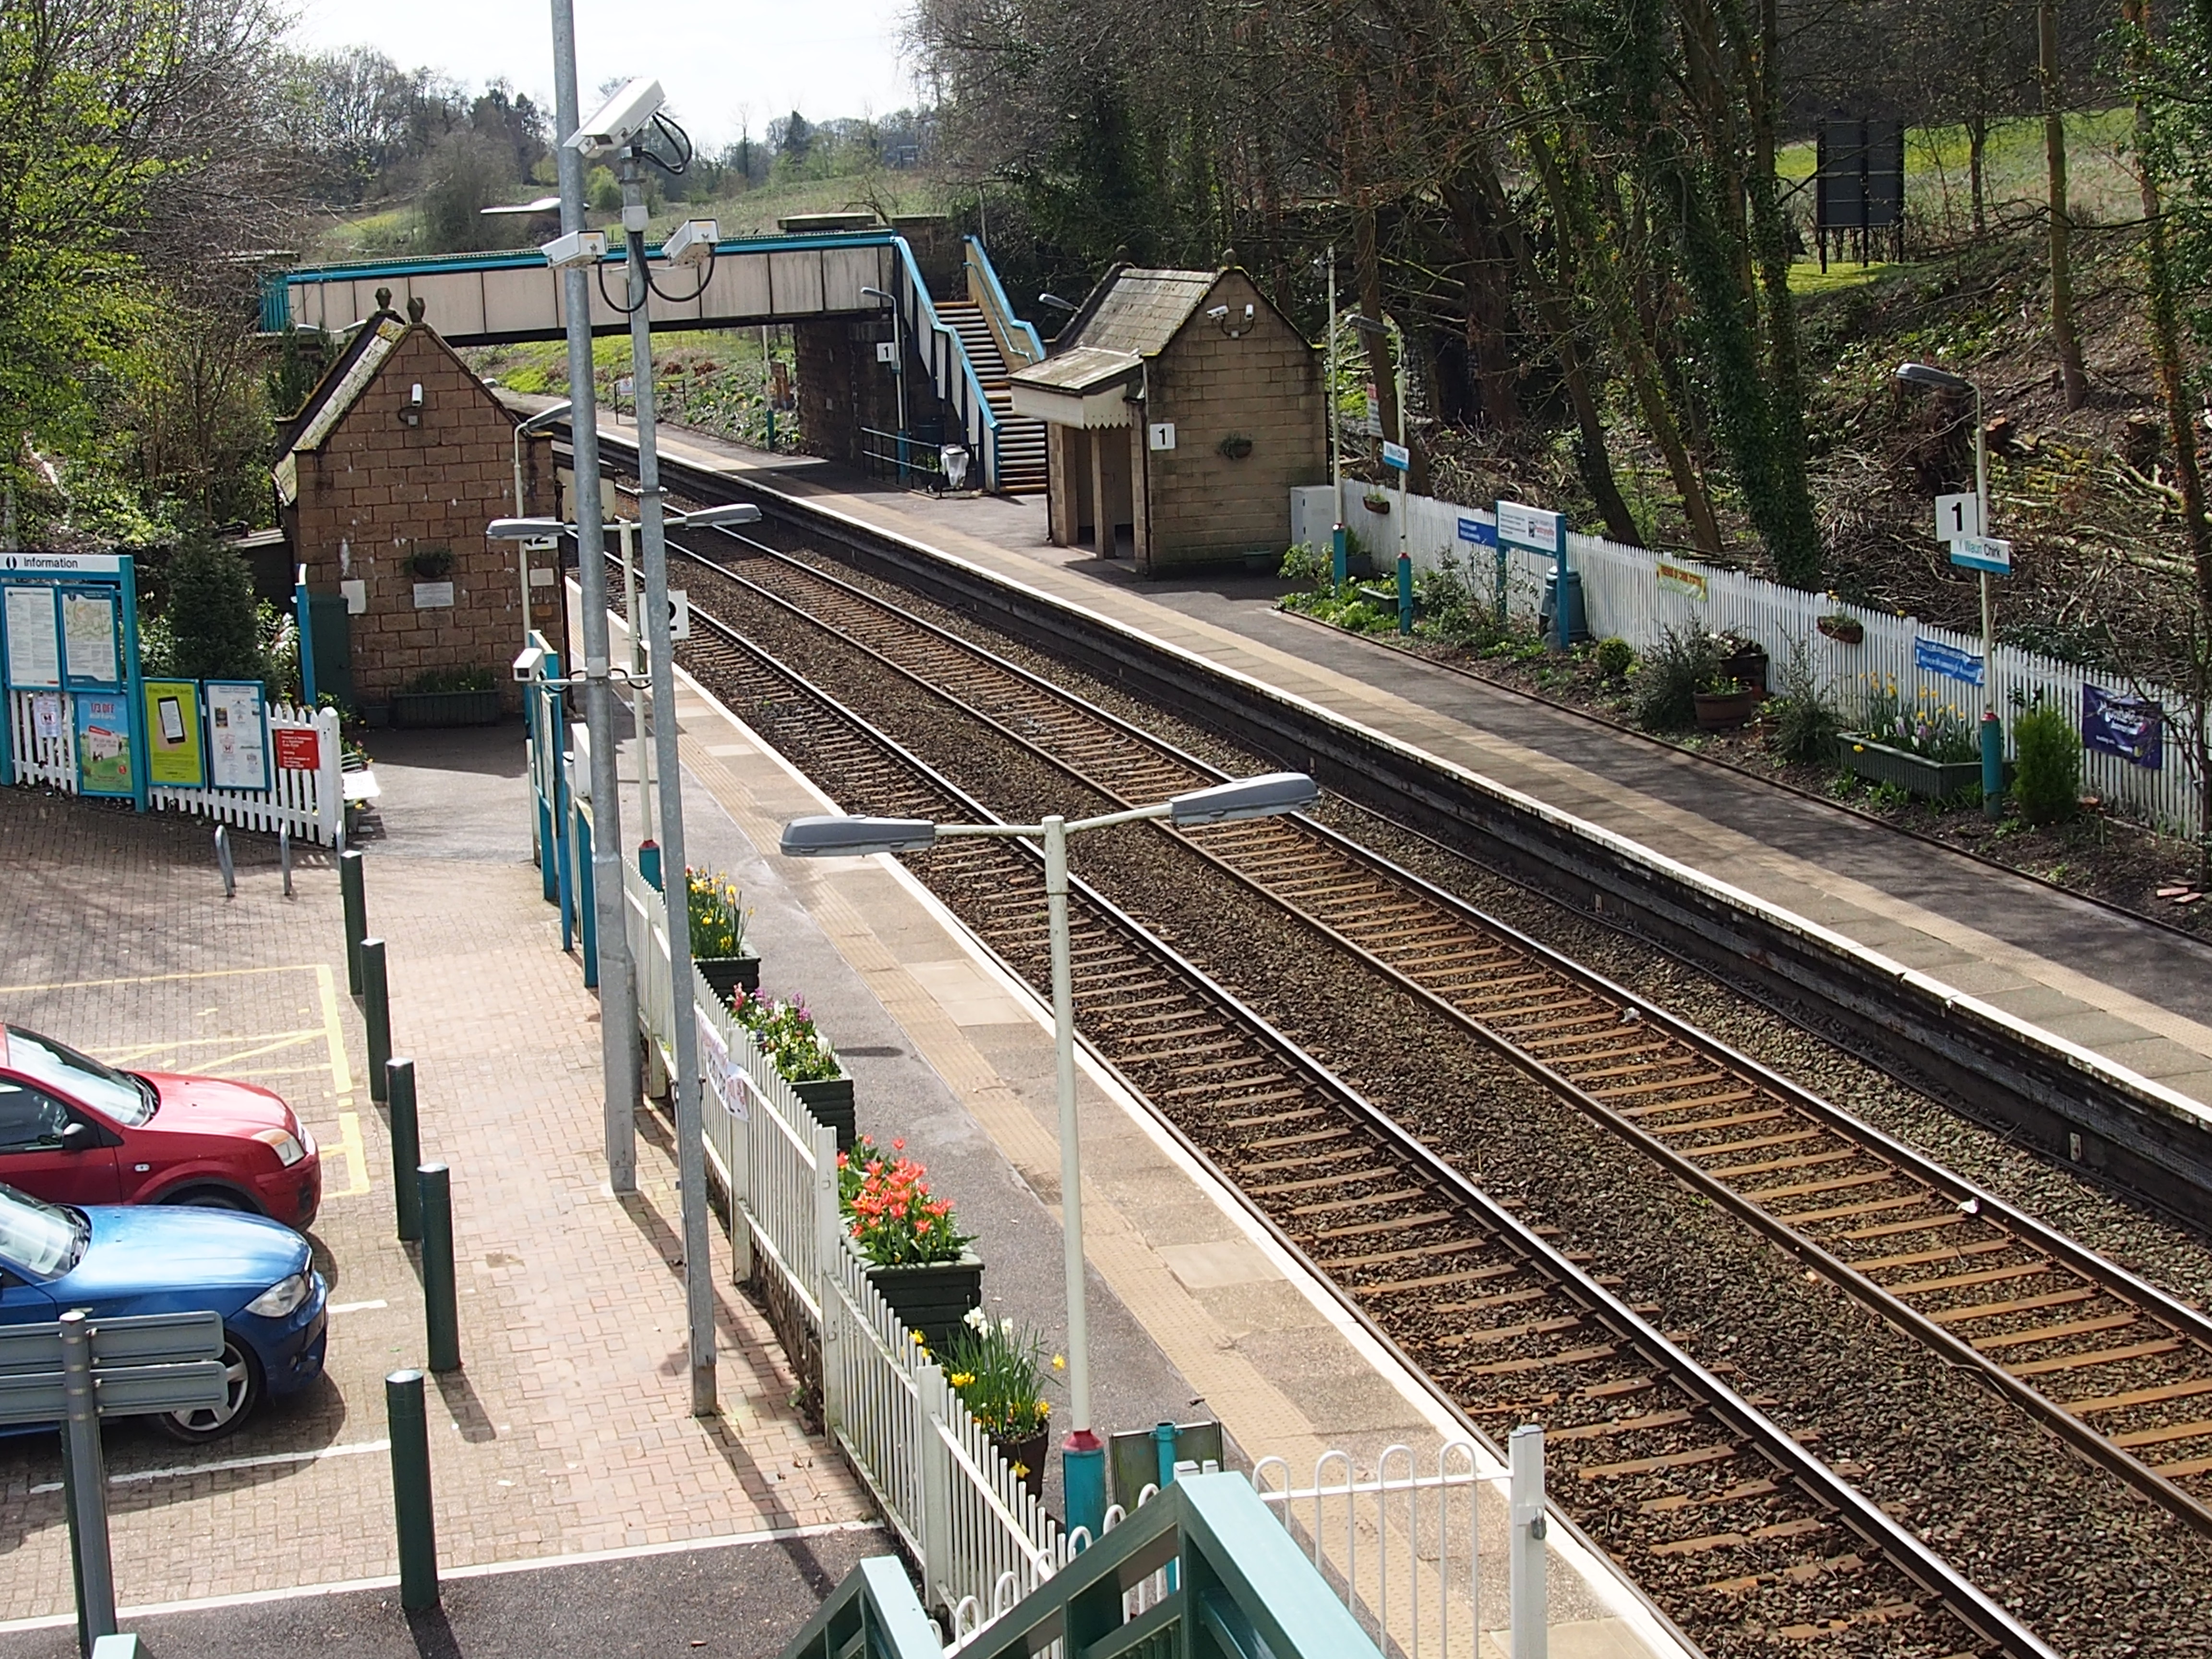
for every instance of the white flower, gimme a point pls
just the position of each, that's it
(1006, 1329)
(976, 1319)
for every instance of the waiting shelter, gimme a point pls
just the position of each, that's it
(1181, 409)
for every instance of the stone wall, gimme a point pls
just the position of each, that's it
(843, 388)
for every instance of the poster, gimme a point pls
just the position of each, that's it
(1676, 579)
(718, 1072)
(174, 757)
(237, 735)
(46, 716)
(298, 750)
(89, 637)
(1933, 657)
(103, 743)
(2130, 727)
(34, 653)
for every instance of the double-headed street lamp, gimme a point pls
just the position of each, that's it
(1083, 1467)
(1992, 729)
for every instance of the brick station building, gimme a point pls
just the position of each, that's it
(1182, 408)
(386, 480)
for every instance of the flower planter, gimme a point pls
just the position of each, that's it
(932, 1297)
(1027, 1456)
(1878, 762)
(830, 1100)
(1849, 630)
(1377, 503)
(725, 975)
(429, 708)
(1747, 667)
(1723, 711)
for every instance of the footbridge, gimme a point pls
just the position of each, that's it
(964, 338)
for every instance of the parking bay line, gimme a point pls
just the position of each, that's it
(269, 1460)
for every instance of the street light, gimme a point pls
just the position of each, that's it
(898, 370)
(1083, 1465)
(537, 422)
(1992, 731)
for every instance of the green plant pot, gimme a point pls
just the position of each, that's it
(725, 974)
(1917, 775)
(830, 1100)
(932, 1297)
(432, 709)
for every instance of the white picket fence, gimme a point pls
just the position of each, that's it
(310, 803)
(982, 1542)
(1623, 594)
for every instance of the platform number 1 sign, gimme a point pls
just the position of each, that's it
(1958, 517)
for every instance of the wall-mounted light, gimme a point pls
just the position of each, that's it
(410, 412)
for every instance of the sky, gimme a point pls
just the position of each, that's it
(719, 60)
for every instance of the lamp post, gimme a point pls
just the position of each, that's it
(1339, 553)
(538, 423)
(1992, 729)
(898, 371)
(1083, 1457)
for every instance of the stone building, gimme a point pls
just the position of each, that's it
(386, 480)
(1181, 409)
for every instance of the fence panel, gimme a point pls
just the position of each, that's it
(51, 761)
(1639, 595)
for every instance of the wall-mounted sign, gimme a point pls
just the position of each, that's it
(1676, 579)
(237, 734)
(34, 649)
(1531, 527)
(434, 596)
(1481, 534)
(1989, 553)
(92, 650)
(1931, 657)
(103, 743)
(1396, 457)
(60, 564)
(298, 749)
(356, 596)
(1958, 515)
(175, 758)
(1160, 434)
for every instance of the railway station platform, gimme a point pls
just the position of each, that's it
(2138, 994)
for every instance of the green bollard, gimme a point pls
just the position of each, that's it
(406, 1148)
(1340, 559)
(1405, 594)
(1992, 736)
(376, 1000)
(356, 915)
(440, 1311)
(409, 1429)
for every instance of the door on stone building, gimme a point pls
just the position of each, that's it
(329, 645)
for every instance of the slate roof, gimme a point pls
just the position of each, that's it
(1135, 310)
(1081, 371)
(338, 390)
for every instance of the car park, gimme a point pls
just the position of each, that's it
(113, 1261)
(75, 1131)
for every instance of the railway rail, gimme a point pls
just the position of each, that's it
(2118, 1369)
(1740, 1533)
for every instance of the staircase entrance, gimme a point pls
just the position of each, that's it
(1021, 441)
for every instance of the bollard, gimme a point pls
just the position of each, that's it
(440, 1312)
(1528, 1598)
(648, 863)
(1992, 736)
(222, 863)
(1405, 594)
(1340, 559)
(376, 1008)
(409, 1426)
(284, 856)
(356, 915)
(407, 1147)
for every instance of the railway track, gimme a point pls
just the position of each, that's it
(1740, 1533)
(2119, 1370)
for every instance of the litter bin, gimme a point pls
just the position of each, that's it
(1577, 618)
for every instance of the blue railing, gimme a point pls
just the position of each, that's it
(950, 368)
(1012, 330)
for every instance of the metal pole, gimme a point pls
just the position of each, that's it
(641, 708)
(376, 1013)
(88, 1482)
(1339, 553)
(441, 1316)
(522, 548)
(1530, 1600)
(406, 1130)
(222, 862)
(690, 1128)
(1083, 1459)
(352, 892)
(408, 1425)
(617, 984)
(899, 372)
(1992, 732)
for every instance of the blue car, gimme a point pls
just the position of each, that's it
(107, 1259)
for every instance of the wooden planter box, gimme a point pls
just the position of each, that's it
(426, 709)
(1878, 762)
(830, 1100)
(1747, 667)
(933, 1298)
(1723, 711)
(725, 974)
(1849, 630)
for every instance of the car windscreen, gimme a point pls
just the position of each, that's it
(44, 1240)
(60, 1068)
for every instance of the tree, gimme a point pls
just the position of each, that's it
(213, 630)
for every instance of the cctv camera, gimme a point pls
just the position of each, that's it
(627, 114)
(1215, 313)
(693, 244)
(578, 247)
(526, 665)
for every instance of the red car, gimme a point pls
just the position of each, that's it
(73, 1131)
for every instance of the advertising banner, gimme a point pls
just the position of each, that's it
(237, 735)
(175, 758)
(2130, 727)
(103, 743)
(1932, 657)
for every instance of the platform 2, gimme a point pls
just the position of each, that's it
(2137, 994)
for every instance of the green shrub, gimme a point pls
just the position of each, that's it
(1670, 676)
(214, 633)
(1306, 563)
(1615, 657)
(2048, 786)
(453, 679)
(1447, 607)
(1805, 717)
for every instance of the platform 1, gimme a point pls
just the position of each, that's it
(2135, 994)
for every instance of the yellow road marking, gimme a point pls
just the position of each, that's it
(159, 979)
(356, 1156)
(341, 1072)
(117, 1055)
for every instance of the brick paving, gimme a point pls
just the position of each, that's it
(566, 1430)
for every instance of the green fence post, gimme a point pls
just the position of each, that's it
(440, 1313)
(409, 1429)
(376, 1009)
(356, 915)
(406, 1148)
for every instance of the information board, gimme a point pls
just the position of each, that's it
(237, 735)
(175, 756)
(1531, 527)
(34, 651)
(103, 744)
(91, 643)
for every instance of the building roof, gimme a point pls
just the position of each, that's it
(1135, 310)
(338, 390)
(1083, 370)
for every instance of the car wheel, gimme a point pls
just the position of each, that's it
(215, 1198)
(241, 1393)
